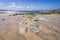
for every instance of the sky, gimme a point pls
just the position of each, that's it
(29, 4)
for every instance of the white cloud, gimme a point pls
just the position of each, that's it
(19, 6)
(16, 7)
(1, 3)
(31, 7)
(22, 7)
(28, 7)
(12, 6)
(12, 3)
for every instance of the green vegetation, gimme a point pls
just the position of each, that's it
(17, 14)
(31, 15)
(58, 12)
(45, 13)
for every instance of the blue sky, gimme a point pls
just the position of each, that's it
(29, 4)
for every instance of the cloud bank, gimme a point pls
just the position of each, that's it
(14, 6)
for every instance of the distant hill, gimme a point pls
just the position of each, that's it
(56, 11)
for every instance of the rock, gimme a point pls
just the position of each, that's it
(41, 18)
(36, 29)
(22, 30)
